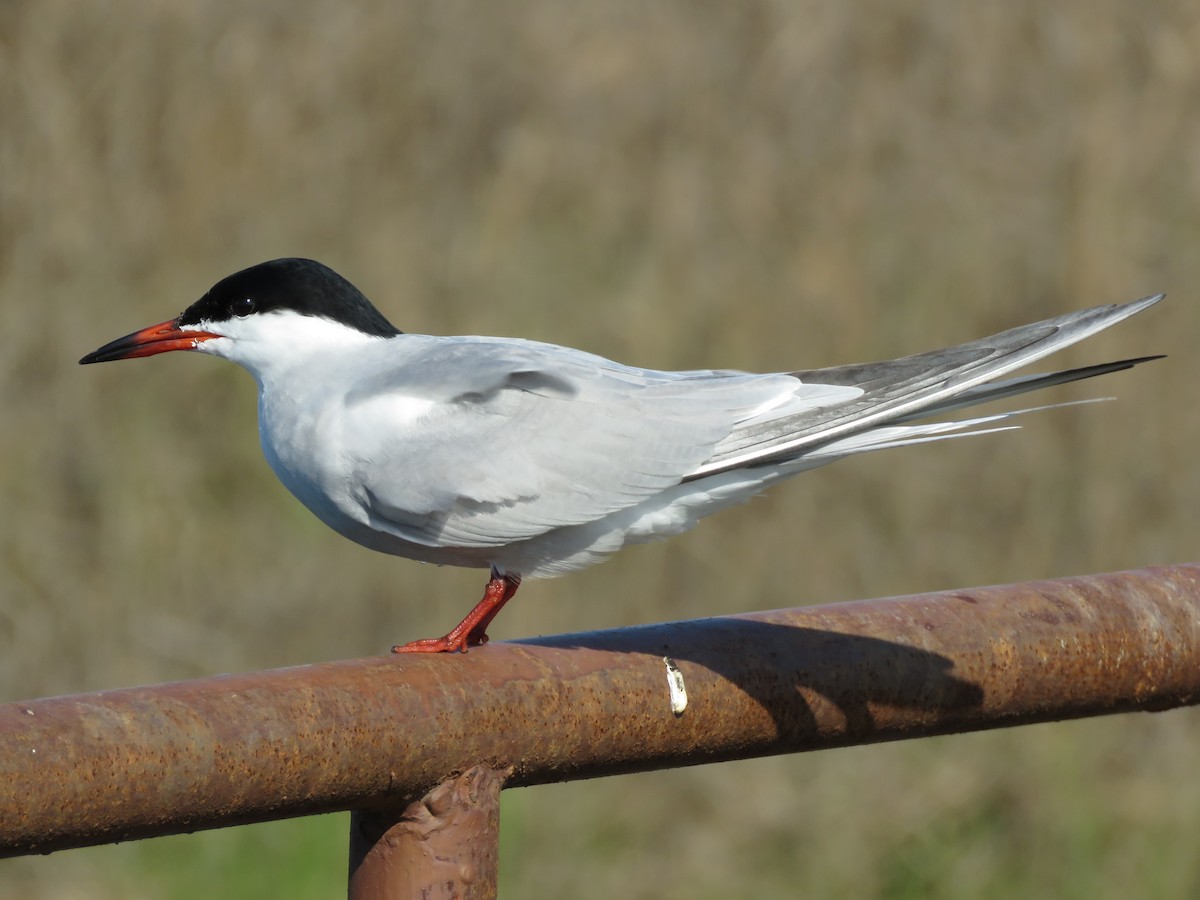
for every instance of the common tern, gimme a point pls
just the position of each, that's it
(531, 459)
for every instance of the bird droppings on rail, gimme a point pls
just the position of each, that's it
(676, 688)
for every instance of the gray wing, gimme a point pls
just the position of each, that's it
(916, 386)
(477, 442)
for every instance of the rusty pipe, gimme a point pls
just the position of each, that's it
(117, 765)
(441, 846)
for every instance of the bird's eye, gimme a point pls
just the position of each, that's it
(244, 306)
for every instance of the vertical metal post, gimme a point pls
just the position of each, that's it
(443, 845)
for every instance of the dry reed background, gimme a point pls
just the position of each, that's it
(755, 185)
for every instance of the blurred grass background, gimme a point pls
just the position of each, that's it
(760, 185)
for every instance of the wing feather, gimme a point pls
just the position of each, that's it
(913, 386)
(516, 438)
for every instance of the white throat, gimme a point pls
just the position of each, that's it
(266, 344)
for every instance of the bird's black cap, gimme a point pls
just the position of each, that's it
(302, 285)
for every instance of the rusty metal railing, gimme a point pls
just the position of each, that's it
(419, 746)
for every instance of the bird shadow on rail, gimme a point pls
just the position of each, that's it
(810, 681)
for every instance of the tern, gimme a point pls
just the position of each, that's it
(531, 459)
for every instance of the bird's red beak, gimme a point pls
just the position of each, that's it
(155, 339)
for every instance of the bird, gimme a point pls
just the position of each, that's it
(531, 459)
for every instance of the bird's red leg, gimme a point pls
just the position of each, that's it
(471, 631)
(478, 634)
